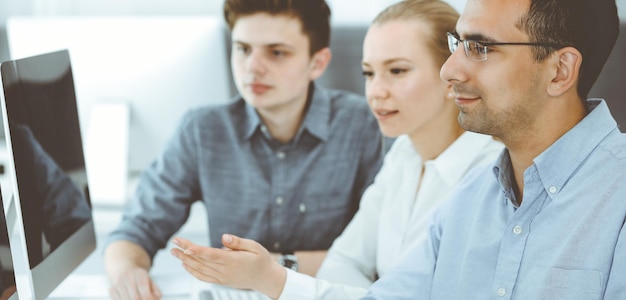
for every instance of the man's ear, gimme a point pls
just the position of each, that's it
(567, 68)
(319, 62)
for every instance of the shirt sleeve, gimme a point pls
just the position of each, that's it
(165, 193)
(303, 287)
(412, 278)
(352, 257)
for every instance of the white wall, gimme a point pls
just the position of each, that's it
(343, 10)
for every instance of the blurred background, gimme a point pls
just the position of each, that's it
(128, 55)
(343, 11)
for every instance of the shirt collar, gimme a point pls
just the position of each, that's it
(316, 120)
(253, 119)
(454, 162)
(555, 168)
(502, 170)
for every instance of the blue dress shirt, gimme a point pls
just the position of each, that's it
(565, 241)
(289, 196)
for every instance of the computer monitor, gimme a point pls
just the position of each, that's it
(8, 290)
(53, 230)
(159, 66)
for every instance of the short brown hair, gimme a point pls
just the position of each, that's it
(589, 26)
(313, 14)
(438, 15)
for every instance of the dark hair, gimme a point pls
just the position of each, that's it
(314, 15)
(590, 26)
(438, 15)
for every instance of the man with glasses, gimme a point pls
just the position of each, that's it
(546, 219)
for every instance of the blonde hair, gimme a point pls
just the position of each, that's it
(438, 15)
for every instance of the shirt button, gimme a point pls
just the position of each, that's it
(552, 189)
(501, 292)
(302, 207)
(276, 245)
(264, 129)
(517, 229)
(279, 200)
(280, 155)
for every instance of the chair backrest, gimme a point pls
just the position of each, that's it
(344, 70)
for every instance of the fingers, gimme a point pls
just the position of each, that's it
(184, 244)
(153, 289)
(189, 251)
(240, 265)
(202, 269)
(237, 243)
(202, 273)
(230, 241)
(135, 284)
(204, 263)
(199, 262)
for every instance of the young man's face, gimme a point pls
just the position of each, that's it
(503, 95)
(271, 62)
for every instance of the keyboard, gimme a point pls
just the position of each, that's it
(207, 291)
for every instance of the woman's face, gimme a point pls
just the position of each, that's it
(402, 82)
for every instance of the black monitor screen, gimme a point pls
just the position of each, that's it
(47, 151)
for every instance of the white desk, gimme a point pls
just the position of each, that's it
(89, 281)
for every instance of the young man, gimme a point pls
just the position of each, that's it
(284, 164)
(546, 221)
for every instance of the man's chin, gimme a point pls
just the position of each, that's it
(468, 123)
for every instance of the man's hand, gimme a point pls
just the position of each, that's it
(134, 284)
(127, 265)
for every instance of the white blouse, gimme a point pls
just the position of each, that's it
(392, 216)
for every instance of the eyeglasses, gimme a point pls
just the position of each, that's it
(477, 51)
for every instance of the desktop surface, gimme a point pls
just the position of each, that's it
(89, 282)
(206, 291)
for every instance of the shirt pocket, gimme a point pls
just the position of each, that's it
(323, 216)
(555, 284)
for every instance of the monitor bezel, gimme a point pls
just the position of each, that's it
(9, 221)
(39, 282)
